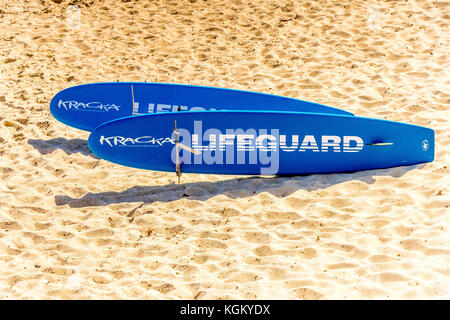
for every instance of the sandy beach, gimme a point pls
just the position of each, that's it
(73, 226)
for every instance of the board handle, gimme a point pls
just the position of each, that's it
(177, 164)
(182, 146)
(380, 144)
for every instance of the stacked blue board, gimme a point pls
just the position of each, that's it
(260, 142)
(171, 127)
(89, 105)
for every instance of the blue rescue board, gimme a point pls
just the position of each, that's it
(87, 106)
(260, 142)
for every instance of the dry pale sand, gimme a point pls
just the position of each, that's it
(74, 227)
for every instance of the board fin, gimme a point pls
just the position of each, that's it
(132, 102)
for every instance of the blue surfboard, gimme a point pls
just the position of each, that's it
(87, 106)
(260, 142)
